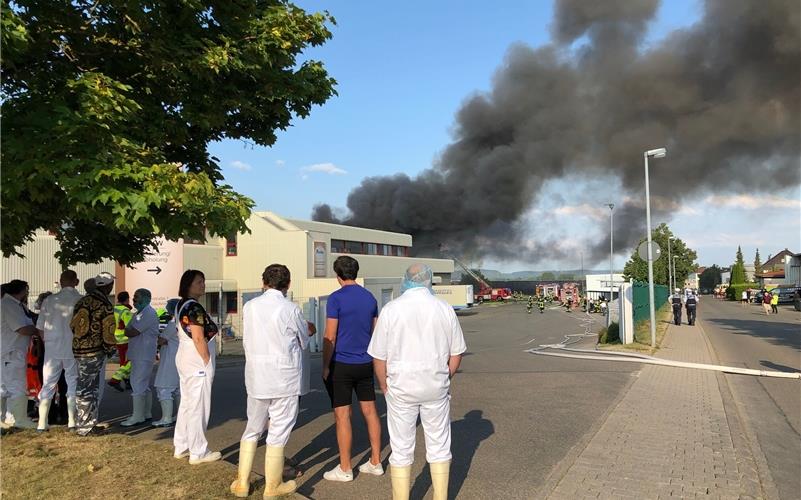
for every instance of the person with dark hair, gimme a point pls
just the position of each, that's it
(15, 336)
(195, 361)
(275, 334)
(54, 327)
(122, 316)
(93, 339)
(351, 314)
(143, 333)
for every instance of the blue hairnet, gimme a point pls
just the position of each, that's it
(417, 276)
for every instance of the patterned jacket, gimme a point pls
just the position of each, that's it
(93, 325)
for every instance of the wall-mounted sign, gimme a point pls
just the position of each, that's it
(159, 272)
(320, 259)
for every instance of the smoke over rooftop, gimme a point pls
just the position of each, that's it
(723, 96)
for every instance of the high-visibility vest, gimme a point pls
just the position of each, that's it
(122, 316)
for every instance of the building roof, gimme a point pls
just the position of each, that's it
(777, 259)
(771, 274)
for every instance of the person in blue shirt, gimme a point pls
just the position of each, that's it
(351, 314)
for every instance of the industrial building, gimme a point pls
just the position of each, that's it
(233, 266)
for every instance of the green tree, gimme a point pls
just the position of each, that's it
(738, 269)
(757, 262)
(710, 278)
(109, 105)
(566, 276)
(547, 275)
(637, 268)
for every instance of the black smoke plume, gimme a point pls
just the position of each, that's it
(723, 96)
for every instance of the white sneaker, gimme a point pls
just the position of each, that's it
(368, 468)
(211, 456)
(337, 474)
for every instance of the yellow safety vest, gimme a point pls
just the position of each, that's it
(122, 316)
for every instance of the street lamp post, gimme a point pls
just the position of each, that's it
(611, 252)
(670, 268)
(655, 153)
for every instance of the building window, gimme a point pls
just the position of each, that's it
(399, 252)
(230, 245)
(387, 250)
(213, 302)
(353, 247)
(337, 246)
(230, 303)
(372, 249)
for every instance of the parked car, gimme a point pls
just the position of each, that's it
(757, 298)
(786, 294)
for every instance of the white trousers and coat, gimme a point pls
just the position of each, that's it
(167, 380)
(275, 336)
(195, 383)
(416, 334)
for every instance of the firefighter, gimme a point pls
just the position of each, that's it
(691, 304)
(541, 304)
(569, 303)
(530, 304)
(122, 315)
(675, 301)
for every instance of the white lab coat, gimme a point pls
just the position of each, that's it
(195, 381)
(167, 375)
(14, 348)
(275, 335)
(416, 334)
(142, 350)
(54, 322)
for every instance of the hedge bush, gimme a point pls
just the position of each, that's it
(735, 292)
(610, 335)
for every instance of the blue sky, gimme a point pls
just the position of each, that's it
(403, 70)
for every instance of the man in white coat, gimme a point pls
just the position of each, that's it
(416, 348)
(143, 333)
(54, 328)
(275, 334)
(15, 336)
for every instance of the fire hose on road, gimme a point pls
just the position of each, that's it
(596, 355)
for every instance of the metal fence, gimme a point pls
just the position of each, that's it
(640, 299)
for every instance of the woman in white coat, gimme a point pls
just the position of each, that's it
(195, 361)
(167, 375)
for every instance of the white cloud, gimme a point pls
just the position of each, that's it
(750, 202)
(326, 168)
(240, 165)
(280, 163)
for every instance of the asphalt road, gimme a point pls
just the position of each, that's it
(746, 337)
(515, 415)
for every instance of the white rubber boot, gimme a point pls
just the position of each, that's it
(44, 409)
(3, 407)
(401, 481)
(71, 408)
(274, 487)
(138, 415)
(440, 472)
(148, 398)
(166, 419)
(247, 451)
(19, 409)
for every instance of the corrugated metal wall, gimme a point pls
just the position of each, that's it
(41, 269)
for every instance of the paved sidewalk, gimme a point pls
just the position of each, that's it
(669, 436)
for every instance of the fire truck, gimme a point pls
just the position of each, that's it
(485, 291)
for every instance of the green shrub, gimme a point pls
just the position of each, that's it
(735, 292)
(610, 335)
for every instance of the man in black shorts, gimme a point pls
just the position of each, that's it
(351, 314)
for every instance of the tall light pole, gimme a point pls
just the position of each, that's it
(670, 269)
(611, 250)
(655, 153)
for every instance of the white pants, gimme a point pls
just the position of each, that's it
(140, 377)
(13, 383)
(282, 413)
(402, 422)
(193, 413)
(51, 372)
